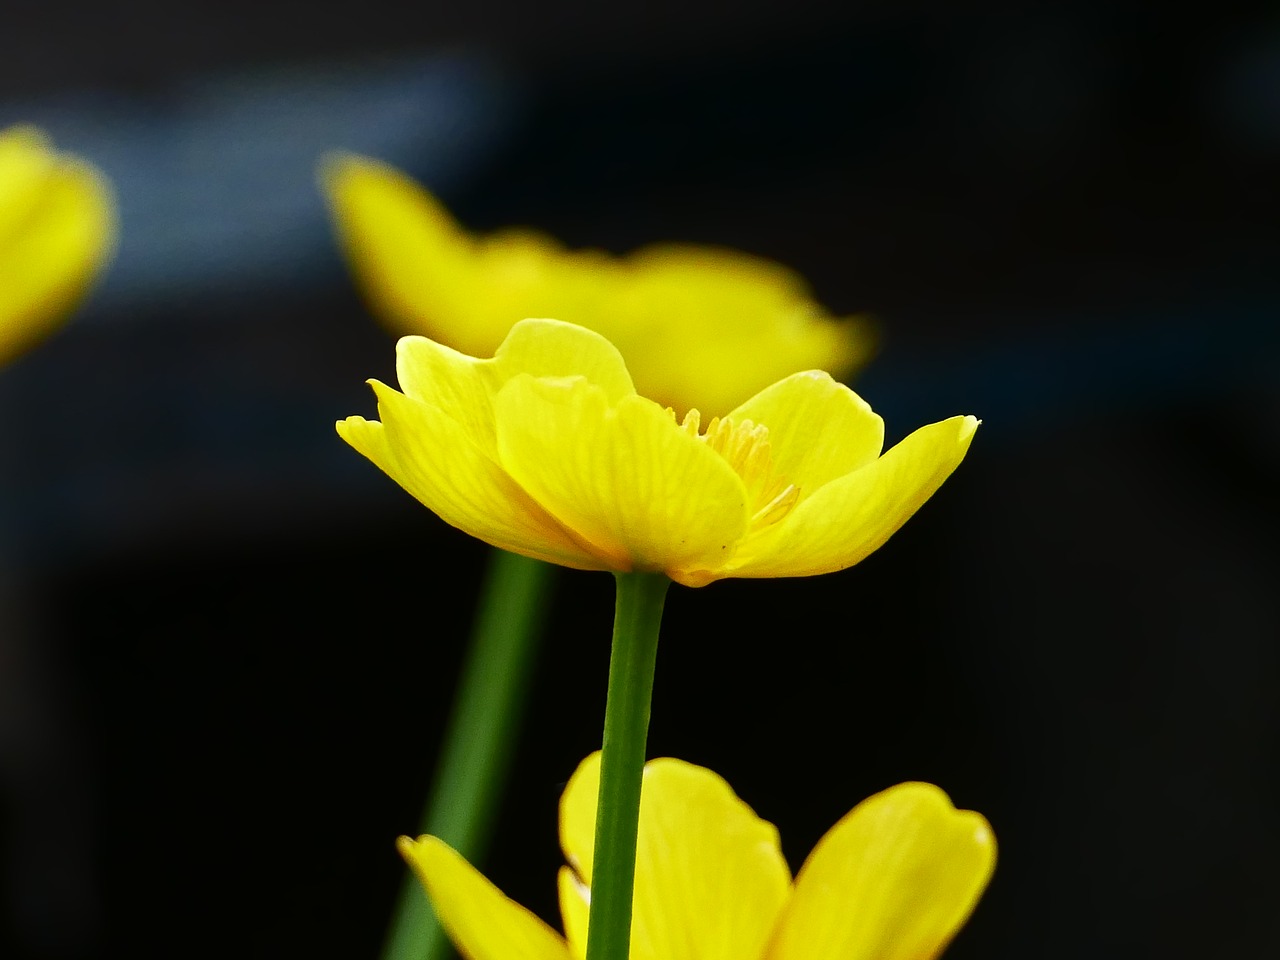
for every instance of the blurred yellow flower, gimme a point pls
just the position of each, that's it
(57, 228)
(894, 879)
(547, 450)
(699, 326)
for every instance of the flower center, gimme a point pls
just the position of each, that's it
(745, 447)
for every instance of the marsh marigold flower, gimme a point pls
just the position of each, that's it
(57, 225)
(547, 450)
(699, 326)
(895, 879)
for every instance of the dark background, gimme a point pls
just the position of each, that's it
(227, 643)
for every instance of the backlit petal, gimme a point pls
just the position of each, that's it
(623, 477)
(434, 458)
(710, 876)
(482, 922)
(818, 429)
(849, 518)
(893, 880)
(57, 227)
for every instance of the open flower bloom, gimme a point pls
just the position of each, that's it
(699, 326)
(547, 450)
(894, 879)
(57, 227)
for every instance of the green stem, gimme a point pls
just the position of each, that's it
(478, 742)
(626, 727)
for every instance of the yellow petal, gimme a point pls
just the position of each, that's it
(26, 160)
(623, 477)
(894, 880)
(706, 327)
(482, 922)
(710, 876)
(700, 327)
(842, 522)
(575, 910)
(422, 273)
(818, 429)
(435, 458)
(407, 252)
(57, 227)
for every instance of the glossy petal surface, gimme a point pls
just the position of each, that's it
(57, 228)
(482, 922)
(622, 476)
(848, 518)
(437, 460)
(710, 876)
(893, 880)
(818, 429)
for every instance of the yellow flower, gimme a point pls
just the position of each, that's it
(547, 450)
(699, 326)
(57, 227)
(894, 879)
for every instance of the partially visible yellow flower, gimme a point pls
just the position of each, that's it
(547, 450)
(699, 326)
(895, 879)
(57, 227)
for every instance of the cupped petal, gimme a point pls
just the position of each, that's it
(552, 348)
(482, 922)
(434, 457)
(849, 518)
(710, 876)
(895, 879)
(819, 429)
(58, 229)
(623, 477)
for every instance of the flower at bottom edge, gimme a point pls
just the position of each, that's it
(894, 879)
(547, 450)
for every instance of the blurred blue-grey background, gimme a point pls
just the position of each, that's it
(227, 642)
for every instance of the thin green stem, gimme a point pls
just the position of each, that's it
(626, 727)
(482, 732)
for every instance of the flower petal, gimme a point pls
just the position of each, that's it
(623, 477)
(575, 910)
(482, 922)
(413, 262)
(710, 876)
(893, 880)
(465, 386)
(550, 348)
(435, 458)
(706, 327)
(818, 429)
(422, 273)
(57, 227)
(849, 518)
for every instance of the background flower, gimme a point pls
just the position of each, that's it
(699, 326)
(894, 879)
(57, 228)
